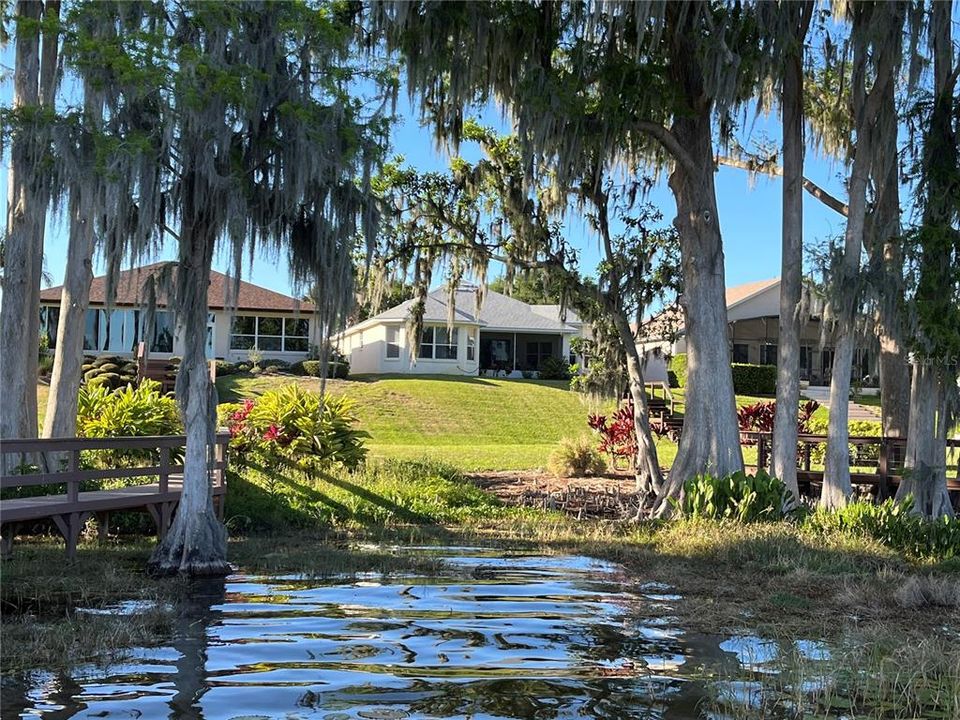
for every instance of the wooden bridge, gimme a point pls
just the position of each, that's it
(70, 510)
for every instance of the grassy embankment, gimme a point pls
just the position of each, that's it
(473, 423)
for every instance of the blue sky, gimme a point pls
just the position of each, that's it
(749, 208)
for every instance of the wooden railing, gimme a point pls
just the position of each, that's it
(664, 389)
(58, 462)
(888, 461)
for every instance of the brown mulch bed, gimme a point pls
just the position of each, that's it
(610, 496)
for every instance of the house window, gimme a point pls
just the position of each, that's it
(117, 330)
(296, 335)
(537, 352)
(806, 362)
(393, 343)
(439, 343)
(162, 333)
(768, 354)
(741, 353)
(49, 320)
(471, 346)
(270, 334)
(91, 330)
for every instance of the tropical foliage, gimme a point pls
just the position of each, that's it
(738, 496)
(293, 428)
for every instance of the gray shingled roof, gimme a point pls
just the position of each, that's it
(498, 311)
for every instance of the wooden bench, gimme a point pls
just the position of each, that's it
(70, 510)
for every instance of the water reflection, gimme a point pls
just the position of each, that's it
(492, 635)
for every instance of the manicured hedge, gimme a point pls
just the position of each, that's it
(340, 369)
(109, 371)
(754, 379)
(677, 372)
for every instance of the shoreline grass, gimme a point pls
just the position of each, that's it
(767, 578)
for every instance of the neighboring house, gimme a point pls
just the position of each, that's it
(505, 336)
(278, 325)
(753, 313)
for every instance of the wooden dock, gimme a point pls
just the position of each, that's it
(57, 461)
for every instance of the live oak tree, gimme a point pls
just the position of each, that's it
(254, 140)
(485, 212)
(649, 81)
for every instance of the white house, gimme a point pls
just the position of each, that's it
(753, 315)
(277, 325)
(504, 336)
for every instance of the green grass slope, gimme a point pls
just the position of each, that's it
(473, 423)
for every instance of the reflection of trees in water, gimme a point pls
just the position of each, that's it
(190, 641)
(533, 699)
(60, 689)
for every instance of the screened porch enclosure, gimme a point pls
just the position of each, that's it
(509, 352)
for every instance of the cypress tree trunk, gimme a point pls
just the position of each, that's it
(60, 419)
(877, 37)
(784, 457)
(197, 542)
(884, 247)
(61, 416)
(935, 368)
(649, 478)
(23, 248)
(710, 441)
(925, 465)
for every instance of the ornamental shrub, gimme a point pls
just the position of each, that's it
(553, 368)
(618, 436)
(339, 369)
(759, 417)
(126, 412)
(109, 371)
(575, 458)
(295, 428)
(754, 379)
(738, 496)
(865, 454)
(677, 371)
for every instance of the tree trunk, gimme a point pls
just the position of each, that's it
(894, 381)
(935, 367)
(649, 478)
(784, 460)
(925, 465)
(197, 542)
(875, 28)
(710, 441)
(884, 246)
(61, 415)
(23, 249)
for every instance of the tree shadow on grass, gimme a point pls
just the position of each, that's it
(299, 482)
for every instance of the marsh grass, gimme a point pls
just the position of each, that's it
(878, 674)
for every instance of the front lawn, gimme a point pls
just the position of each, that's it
(474, 423)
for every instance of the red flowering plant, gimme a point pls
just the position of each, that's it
(759, 417)
(618, 437)
(294, 427)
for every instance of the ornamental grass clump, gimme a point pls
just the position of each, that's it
(575, 457)
(296, 428)
(737, 496)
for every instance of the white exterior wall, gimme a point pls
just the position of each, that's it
(366, 348)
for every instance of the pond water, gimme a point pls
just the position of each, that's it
(491, 634)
